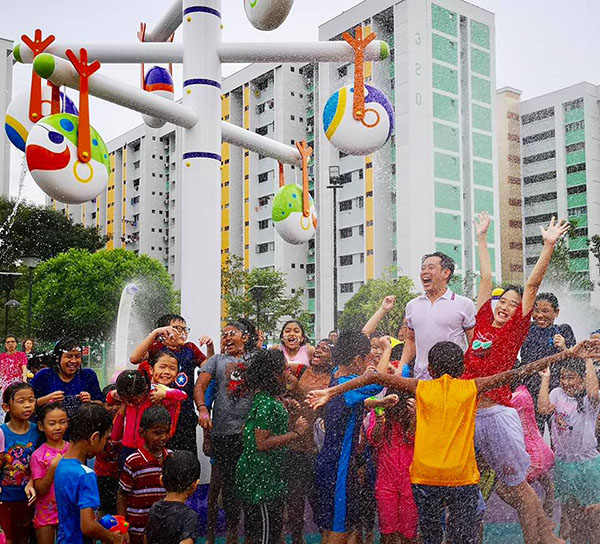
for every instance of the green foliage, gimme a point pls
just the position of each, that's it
(275, 306)
(560, 272)
(368, 299)
(78, 292)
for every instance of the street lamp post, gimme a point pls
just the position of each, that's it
(31, 263)
(7, 283)
(9, 304)
(335, 184)
(257, 292)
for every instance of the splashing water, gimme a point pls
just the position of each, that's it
(6, 226)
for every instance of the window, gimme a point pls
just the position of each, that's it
(581, 210)
(262, 248)
(260, 108)
(576, 189)
(292, 117)
(538, 115)
(311, 293)
(342, 73)
(346, 233)
(263, 131)
(543, 218)
(537, 178)
(573, 105)
(263, 177)
(544, 197)
(577, 125)
(516, 245)
(345, 205)
(575, 147)
(292, 69)
(263, 200)
(345, 260)
(293, 265)
(538, 137)
(263, 224)
(539, 157)
(514, 224)
(514, 201)
(346, 288)
(360, 201)
(361, 230)
(310, 268)
(576, 168)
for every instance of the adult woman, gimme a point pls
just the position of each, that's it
(66, 382)
(28, 347)
(13, 366)
(294, 344)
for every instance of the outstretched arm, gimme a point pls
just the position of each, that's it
(386, 305)
(544, 404)
(591, 381)
(485, 265)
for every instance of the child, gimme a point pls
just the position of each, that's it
(574, 407)
(52, 422)
(140, 485)
(294, 344)
(170, 520)
(444, 470)
(171, 335)
(19, 438)
(259, 473)
(106, 465)
(392, 434)
(75, 484)
(136, 391)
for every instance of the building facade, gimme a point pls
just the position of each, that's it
(6, 70)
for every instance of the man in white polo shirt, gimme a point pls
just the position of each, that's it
(437, 315)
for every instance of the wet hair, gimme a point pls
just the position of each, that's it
(597, 331)
(263, 372)
(45, 409)
(245, 326)
(10, 336)
(446, 358)
(155, 415)
(110, 387)
(64, 345)
(158, 355)
(578, 367)
(446, 262)
(26, 340)
(89, 418)
(516, 288)
(350, 344)
(550, 298)
(399, 413)
(9, 393)
(131, 383)
(299, 325)
(167, 319)
(181, 469)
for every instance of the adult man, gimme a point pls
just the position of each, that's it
(437, 315)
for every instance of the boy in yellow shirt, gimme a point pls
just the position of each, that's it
(444, 470)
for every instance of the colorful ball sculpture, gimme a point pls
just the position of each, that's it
(51, 154)
(17, 123)
(158, 81)
(267, 14)
(290, 222)
(358, 137)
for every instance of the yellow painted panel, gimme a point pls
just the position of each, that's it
(370, 267)
(368, 65)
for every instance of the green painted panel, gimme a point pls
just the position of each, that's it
(574, 137)
(311, 305)
(445, 108)
(576, 157)
(482, 117)
(481, 90)
(447, 196)
(452, 250)
(484, 201)
(445, 50)
(483, 174)
(480, 62)
(448, 226)
(444, 20)
(573, 115)
(583, 263)
(576, 200)
(482, 146)
(576, 178)
(492, 252)
(445, 137)
(578, 243)
(446, 167)
(581, 220)
(456, 284)
(480, 34)
(445, 79)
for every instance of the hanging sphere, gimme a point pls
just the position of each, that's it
(158, 81)
(267, 14)
(17, 123)
(358, 137)
(288, 218)
(51, 154)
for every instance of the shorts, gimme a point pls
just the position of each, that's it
(226, 451)
(499, 440)
(397, 511)
(107, 488)
(578, 481)
(15, 520)
(263, 523)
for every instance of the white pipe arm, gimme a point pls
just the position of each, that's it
(168, 24)
(61, 72)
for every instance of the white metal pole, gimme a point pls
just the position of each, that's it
(168, 24)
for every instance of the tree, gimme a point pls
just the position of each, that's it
(41, 232)
(274, 305)
(367, 300)
(78, 292)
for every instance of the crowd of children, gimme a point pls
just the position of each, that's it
(352, 430)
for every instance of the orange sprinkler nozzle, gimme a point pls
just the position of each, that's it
(37, 46)
(305, 153)
(359, 45)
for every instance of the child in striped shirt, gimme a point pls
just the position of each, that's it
(140, 484)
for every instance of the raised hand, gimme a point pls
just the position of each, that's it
(389, 400)
(318, 398)
(545, 373)
(588, 349)
(388, 303)
(205, 341)
(482, 223)
(555, 231)
(301, 425)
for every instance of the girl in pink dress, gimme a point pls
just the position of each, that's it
(294, 343)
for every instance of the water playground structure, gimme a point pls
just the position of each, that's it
(69, 160)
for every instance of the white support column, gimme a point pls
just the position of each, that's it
(168, 24)
(201, 169)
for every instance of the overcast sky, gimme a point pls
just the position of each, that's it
(542, 45)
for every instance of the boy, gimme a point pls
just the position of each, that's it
(75, 484)
(444, 470)
(19, 440)
(171, 521)
(140, 485)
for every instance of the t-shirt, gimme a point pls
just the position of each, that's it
(259, 474)
(16, 471)
(76, 489)
(11, 368)
(444, 437)
(446, 319)
(573, 432)
(170, 523)
(229, 408)
(46, 512)
(48, 381)
(495, 349)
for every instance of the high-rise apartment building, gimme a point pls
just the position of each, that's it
(6, 64)
(561, 174)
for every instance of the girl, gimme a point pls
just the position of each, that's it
(574, 407)
(259, 473)
(294, 344)
(391, 432)
(53, 423)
